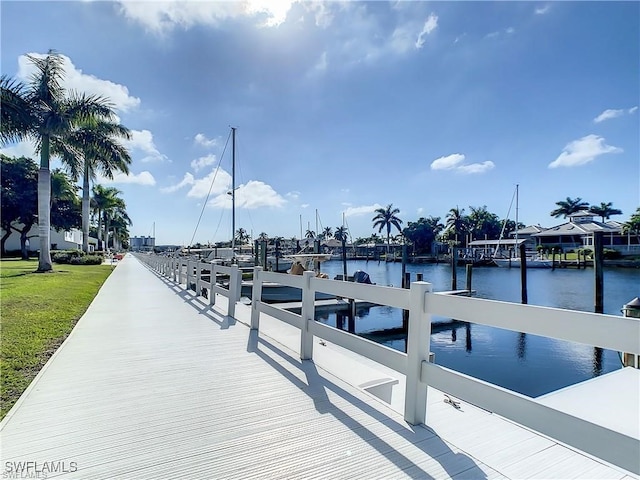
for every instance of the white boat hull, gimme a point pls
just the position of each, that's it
(531, 263)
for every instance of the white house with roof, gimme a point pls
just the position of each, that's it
(63, 240)
(579, 232)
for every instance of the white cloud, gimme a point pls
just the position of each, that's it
(202, 162)
(21, 149)
(447, 163)
(608, 114)
(362, 210)
(254, 194)
(74, 79)
(142, 178)
(187, 180)
(476, 167)
(454, 162)
(510, 30)
(583, 151)
(293, 195)
(429, 26)
(216, 183)
(163, 16)
(203, 141)
(142, 140)
(542, 10)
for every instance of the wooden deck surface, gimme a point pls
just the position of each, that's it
(154, 383)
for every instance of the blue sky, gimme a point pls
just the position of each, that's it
(346, 107)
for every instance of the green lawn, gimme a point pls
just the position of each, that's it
(38, 313)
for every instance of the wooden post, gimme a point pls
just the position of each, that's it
(418, 277)
(235, 284)
(256, 295)
(404, 262)
(454, 272)
(263, 254)
(469, 268)
(277, 254)
(599, 277)
(418, 347)
(406, 283)
(553, 259)
(352, 316)
(344, 258)
(523, 273)
(212, 284)
(308, 316)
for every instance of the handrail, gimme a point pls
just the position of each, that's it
(606, 331)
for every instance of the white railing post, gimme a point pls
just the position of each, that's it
(418, 337)
(234, 290)
(212, 285)
(256, 296)
(198, 277)
(308, 315)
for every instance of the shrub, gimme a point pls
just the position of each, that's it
(87, 260)
(65, 256)
(609, 254)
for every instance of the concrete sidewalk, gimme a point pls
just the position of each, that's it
(155, 383)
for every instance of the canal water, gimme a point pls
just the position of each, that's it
(525, 363)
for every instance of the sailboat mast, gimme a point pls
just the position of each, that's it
(517, 187)
(233, 189)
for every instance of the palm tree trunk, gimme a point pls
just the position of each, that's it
(85, 210)
(100, 241)
(44, 209)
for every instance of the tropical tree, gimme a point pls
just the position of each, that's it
(95, 140)
(633, 224)
(341, 233)
(19, 199)
(65, 204)
(104, 199)
(327, 232)
(45, 112)
(242, 236)
(422, 233)
(310, 234)
(386, 218)
(263, 237)
(120, 223)
(604, 210)
(456, 224)
(117, 210)
(569, 206)
(483, 224)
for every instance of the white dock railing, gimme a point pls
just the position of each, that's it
(192, 273)
(606, 331)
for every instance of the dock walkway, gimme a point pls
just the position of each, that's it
(154, 382)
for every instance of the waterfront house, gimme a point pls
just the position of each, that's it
(579, 231)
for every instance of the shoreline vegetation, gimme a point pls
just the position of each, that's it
(39, 311)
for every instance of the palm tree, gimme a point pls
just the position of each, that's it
(341, 234)
(386, 218)
(327, 232)
(605, 210)
(117, 210)
(120, 222)
(104, 199)
(43, 111)
(456, 222)
(263, 237)
(100, 152)
(242, 236)
(569, 206)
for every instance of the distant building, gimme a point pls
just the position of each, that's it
(142, 244)
(579, 231)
